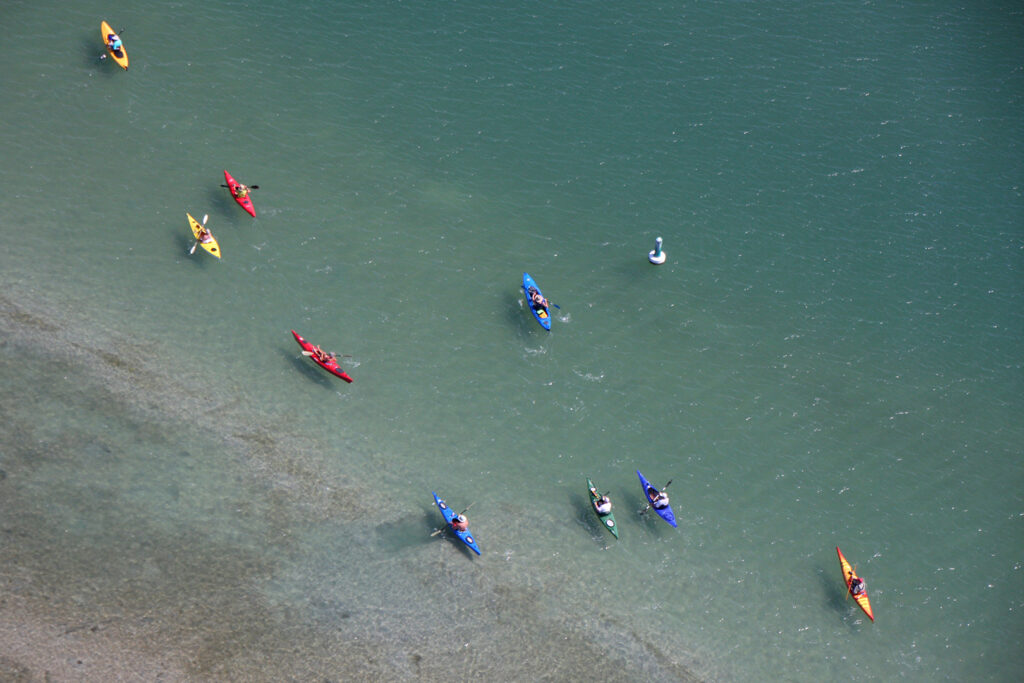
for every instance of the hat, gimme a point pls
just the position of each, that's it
(462, 518)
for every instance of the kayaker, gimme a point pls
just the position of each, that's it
(460, 523)
(322, 355)
(537, 299)
(659, 499)
(205, 236)
(857, 586)
(114, 41)
(241, 191)
(603, 505)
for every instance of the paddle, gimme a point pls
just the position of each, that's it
(193, 249)
(251, 187)
(648, 504)
(447, 525)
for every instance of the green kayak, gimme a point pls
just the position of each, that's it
(608, 518)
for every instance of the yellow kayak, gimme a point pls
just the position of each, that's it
(849, 575)
(211, 244)
(121, 56)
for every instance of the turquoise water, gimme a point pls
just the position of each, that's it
(831, 355)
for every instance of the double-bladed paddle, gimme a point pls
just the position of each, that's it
(206, 216)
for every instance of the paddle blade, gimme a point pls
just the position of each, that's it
(206, 217)
(193, 249)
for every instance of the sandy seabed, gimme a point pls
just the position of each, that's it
(131, 555)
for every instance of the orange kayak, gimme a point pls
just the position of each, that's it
(848, 576)
(121, 55)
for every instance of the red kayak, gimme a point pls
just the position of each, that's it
(244, 201)
(330, 364)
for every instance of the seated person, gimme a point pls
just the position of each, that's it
(537, 300)
(659, 499)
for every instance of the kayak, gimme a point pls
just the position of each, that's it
(848, 576)
(210, 246)
(330, 365)
(649, 491)
(121, 56)
(244, 202)
(449, 515)
(608, 519)
(540, 314)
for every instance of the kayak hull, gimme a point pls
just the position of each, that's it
(121, 56)
(543, 317)
(212, 246)
(331, 366)
(848, 575)
(666, 512)
(244, 202)
(607, 520)
(449, 514)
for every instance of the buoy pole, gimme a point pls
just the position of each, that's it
(657, 257)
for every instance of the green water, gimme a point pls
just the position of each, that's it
(831, 355)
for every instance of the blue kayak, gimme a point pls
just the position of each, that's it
(650, 492)
(541, 314)
(449, 515)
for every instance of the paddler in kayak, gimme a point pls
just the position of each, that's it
(460, 522)
(241, 191)
(857, 586)
(205, 236)
(114, 43)
(602, 503)
(659, 499)
(322, 355)
(537, 299)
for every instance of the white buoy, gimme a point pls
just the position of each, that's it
(657, 257)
